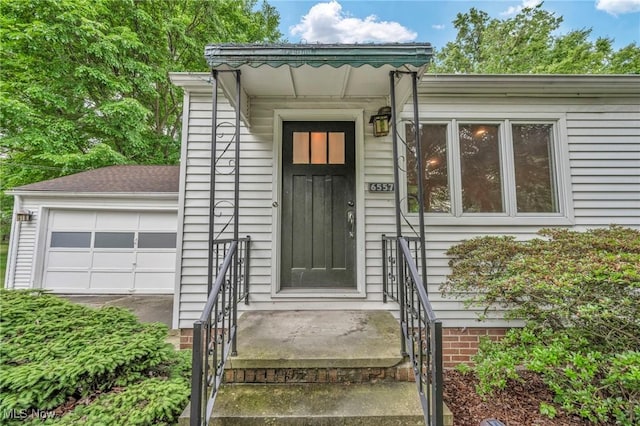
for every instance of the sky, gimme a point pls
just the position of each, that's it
(380, 21)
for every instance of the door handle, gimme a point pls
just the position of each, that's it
(351, 223)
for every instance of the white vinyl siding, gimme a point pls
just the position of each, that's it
(604, 152)
(19, 274)
(601, 150)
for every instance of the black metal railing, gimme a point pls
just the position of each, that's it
(390, 282)
(421, 330)
(214, 334)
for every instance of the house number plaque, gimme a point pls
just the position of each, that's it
(381, 187)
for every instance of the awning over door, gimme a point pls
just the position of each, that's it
(315, 70)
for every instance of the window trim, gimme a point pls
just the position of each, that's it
(510, 216)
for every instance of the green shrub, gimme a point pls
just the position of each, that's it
(579, 295)
(150, 402)
(53, 350)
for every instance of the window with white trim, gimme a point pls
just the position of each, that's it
(489, 167)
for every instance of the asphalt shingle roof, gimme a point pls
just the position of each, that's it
(113, 179)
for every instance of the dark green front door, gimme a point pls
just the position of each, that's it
(318, 205)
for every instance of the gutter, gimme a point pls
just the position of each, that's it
(136, 195)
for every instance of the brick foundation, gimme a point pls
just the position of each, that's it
(186, 338)
(399, 373)
(458, 346)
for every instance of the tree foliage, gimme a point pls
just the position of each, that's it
(84, 83)
(527, 44)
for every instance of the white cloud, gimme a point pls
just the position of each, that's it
(327, 23)
(618, 7)
(438, 27)
(514, 10)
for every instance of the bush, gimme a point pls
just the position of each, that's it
(53, 351)
(579, 295)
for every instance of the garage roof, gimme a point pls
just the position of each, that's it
(152, 179)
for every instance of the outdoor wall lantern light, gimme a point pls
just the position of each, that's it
(24, 216)
(380, 121)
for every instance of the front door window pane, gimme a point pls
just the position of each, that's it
(433, 144)
(300, 147)
(318, 148)
(336, 148)
(480, 163)
(532, 161)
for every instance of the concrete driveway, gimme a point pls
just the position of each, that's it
(148, 308)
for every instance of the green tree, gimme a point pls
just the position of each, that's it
(84, 83)
(527, 44)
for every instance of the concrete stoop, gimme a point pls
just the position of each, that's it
(318, 368)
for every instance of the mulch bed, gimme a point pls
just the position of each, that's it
(516, 405)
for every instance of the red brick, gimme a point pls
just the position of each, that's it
(402, 374)
(460, 358)
(271, 375)
(477, 331)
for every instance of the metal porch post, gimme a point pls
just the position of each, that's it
(419, 174)
(396, 180)
(197, 378)
(236, 219)
(212, 178)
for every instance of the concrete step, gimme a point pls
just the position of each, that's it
(318, 368)
(319, 404)
(317, 339)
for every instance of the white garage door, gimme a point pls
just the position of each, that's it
(110, 252)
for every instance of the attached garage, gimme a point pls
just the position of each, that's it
(106, 231)
(110, 251)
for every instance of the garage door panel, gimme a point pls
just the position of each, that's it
(113, 260)
(67, 280)
(165, 221)
(69, 259)
(111, 280)
(116, 221)
(155, 281)
(158, 261)
(69, 219)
